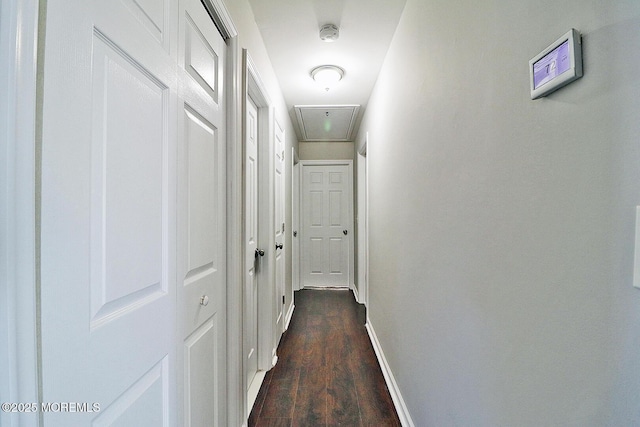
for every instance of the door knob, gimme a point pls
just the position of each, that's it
(204, 301)
(279, 246)
(259, 252)
(345, 232)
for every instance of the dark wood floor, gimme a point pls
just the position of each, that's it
(327, 372)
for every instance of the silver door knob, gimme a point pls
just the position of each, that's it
(259, 252)
(345, 232)
(204, 300)
(279, 246)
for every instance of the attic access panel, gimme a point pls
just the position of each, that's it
(327, 122)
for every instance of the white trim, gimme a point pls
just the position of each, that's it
(221, 17)
(18, 201)
(363, 222)
(287, 319)
(235, 373)
(354, 288)
(392, 385)
(254, 388)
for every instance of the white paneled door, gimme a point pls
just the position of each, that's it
(326, 248)
(201, 218)
(279, 195)
(252, 257)
(132, 215)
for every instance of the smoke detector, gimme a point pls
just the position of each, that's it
(329, 33)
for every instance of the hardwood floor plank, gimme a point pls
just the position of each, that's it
(327, 372)
(374, 400)
(342, 401)
(311, 400)
(274, 422)
(280, 398)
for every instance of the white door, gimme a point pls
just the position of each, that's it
(201, 218)
(295, 220)
(108, 266)
(252, 252)
(115, 122)
(326, 225)
(363, 219)
(279, 227)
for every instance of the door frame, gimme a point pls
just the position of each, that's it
(363, 224)
(349, 164)
(19, 45)
(254, 88)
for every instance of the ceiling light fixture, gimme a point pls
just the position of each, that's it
(329, 33)
(327, 75)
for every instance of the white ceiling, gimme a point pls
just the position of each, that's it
(290, 29)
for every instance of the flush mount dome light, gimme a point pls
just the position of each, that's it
(327, 75)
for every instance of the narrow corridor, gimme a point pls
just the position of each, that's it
(327, 372)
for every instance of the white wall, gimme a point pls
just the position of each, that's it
(501, 228)
(326, 151)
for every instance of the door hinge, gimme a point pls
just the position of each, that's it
(282, 299)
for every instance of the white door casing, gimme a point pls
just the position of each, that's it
(120, 109)
(326, 215)
(279, 227)
(201, 218)
(252, 256)
(363, 224)
(18, 260)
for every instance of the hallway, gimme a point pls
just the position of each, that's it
(327, 372)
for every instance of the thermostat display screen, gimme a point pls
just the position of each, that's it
(551, 65)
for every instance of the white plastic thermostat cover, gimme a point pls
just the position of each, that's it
(329, 33)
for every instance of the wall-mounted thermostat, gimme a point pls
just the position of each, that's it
(556, 66)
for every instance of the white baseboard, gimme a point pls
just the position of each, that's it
(287, 319)
(354, 288)
(254, 388)
(394, 390)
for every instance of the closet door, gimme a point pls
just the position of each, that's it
(132, 215)
(201, 218)
(108, 270)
